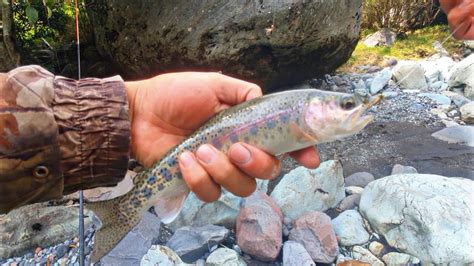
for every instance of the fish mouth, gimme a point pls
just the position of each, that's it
(356, 117)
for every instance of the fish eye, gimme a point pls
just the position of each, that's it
(347, 103)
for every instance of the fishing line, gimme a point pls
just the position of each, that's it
(81, 194)
(443, 42)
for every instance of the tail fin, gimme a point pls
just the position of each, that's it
(115, 225)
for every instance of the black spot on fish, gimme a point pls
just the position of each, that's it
(146, 192)
(217, 144)
(135, 202)
(166, 174)
(253, 130)
(270, 124)
(160, 186)
(234, 138)
(285, 118)
(151, 180)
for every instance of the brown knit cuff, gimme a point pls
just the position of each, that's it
(94, 131)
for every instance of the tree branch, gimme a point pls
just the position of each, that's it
(7, 21)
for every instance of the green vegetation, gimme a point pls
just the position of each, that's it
(415, 44)
(37, 21)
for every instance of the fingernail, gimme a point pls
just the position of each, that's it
(252, 95)
(206, 153)
(186, 159)
(240, 154)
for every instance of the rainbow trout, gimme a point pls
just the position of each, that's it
(277, 123)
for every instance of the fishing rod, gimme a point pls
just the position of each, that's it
(81, 194)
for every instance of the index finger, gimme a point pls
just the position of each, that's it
(233, 91)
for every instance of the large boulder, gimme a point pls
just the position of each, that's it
(269, 42)
(427, 216)
(37, 225)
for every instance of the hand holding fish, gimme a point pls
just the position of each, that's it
(166, 109)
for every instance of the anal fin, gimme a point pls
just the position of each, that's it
(167, 207)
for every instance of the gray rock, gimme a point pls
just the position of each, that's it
(315, 232)
(350, 202)
(294, 254)
(37, 225)
(359, 87)
(457, 98)
(456, 134)
(269, 42)
(462, 75)
(437, 69)
(395, 258)
(351, 190)
(130, 250)
(437, 98)
(362, 254)
(427, 216)
(259, 227)
(467, 113)
(191, 243)
(383, 37)
(380, 80)
(403, 169)
(303, 190)
(225, 256)
(389, 94)
(61, 250)
(160, 255)
(195, 212)
(349, 228)
(359, 179)
(409, 75)
(376, 248)
(437, 85)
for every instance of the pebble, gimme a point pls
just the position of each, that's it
(349, 202)
(467, 113)
(395, 258)
(225, 256)
(315, 232)
(403, 169)
(389, 94)
(362, 254)
(353, 190)
(376, 248)
(294, 254)
(191, 243)
(380, 81)
(259, 227)
(360, 179)
(349, 228)
(437, 98)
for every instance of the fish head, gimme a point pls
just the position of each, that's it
(331, 116)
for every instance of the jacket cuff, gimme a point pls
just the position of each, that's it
(94, 131)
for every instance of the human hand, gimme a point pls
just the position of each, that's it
(460, 17)
(164, 110)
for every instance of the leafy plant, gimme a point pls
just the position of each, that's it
(400, 15)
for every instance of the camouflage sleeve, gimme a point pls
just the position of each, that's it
(59, 135)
